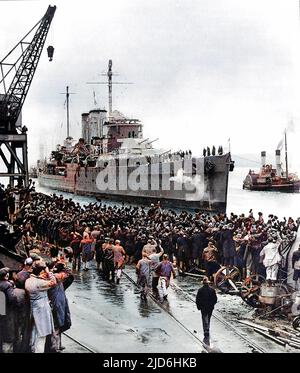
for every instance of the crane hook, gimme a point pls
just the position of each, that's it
(50, 51)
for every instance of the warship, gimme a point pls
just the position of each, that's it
(112, 160)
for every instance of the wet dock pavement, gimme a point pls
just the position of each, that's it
(112, 318)
(181, 306)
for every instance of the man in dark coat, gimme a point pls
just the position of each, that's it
(77, 249)
(199, 242)
(23, 315)
(229, 250)
(60, 308)
(24, 274)
(182, 251)
(108, 261)
(8, 322)
(99, 252)
(296, 267)
(205, 300)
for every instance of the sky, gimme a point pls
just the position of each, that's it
(203, 71)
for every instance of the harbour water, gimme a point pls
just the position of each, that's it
(239, 201)
(276, 203)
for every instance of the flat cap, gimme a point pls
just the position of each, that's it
(3, 272)
(34, 256)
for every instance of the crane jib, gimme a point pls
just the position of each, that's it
(25, 66)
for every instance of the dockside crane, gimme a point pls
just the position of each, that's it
(19, 73)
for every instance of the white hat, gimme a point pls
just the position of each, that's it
(28, 261)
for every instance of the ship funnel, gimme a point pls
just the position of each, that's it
(278, 162)
(263, 158)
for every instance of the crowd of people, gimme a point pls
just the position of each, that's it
(189, 239)
(37, 310)
(12, 199)
(153, 239)
(33, 306)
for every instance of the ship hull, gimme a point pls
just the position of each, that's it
(293, 188)
(83, 181)
(250, 183)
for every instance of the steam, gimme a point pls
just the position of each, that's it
(280, 145)
(291, 126)
(289, 129)
(195, 181)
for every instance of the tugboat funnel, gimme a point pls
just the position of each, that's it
(278, 162)
(263, 158)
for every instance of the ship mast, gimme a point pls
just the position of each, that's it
(109, 83)
(67, 93)
(286, 157)
(109, 75)
(68, 116)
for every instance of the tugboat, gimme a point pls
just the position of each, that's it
(269, 178)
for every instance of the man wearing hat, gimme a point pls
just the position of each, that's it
(143, 271)
(228, 245)
(77, 249)
(108, 260)
(296, 267)
(152, 210)
(23, 275)
(205, 301)
(164, 270)
(35, 257)
(5, 285)
(87, 252)
(24, 305)
(60, 308)
(99, 252)
(8, 322)
(119, 258)
(150, 247)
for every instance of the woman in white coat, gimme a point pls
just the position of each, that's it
(37, 285)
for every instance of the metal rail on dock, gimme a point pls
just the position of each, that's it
(255, 346)
(206, 348)
(79, 343)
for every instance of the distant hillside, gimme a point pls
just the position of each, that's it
(246, 160)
